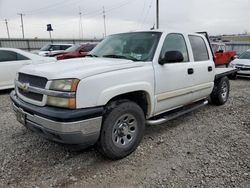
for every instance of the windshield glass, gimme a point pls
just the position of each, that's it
(139, 46)
(73, 48)
(245, 55)
(46, 48)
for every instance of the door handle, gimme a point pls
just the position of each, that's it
(210, 69)
(190, 71)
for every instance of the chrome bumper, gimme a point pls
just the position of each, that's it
(77, 132)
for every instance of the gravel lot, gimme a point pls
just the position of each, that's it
(206, 148)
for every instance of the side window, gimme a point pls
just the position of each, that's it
(7, 56)
(64, 47)
(223, 48)
(199, 48)
(175, 42)
(21, 57)
(55, 47)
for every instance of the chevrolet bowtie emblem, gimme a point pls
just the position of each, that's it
(25, 87)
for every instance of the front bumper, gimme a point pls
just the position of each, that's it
(243, 73)
(80, 126)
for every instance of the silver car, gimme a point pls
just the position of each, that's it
(242, 63)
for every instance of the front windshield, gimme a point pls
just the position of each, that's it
(46, 48)
(139, 46)
(73, 48)
(245, 55)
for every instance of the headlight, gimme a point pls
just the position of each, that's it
(68, 85)
(61, 102)
(64, 85)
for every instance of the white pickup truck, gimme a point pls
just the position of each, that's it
(128, 80)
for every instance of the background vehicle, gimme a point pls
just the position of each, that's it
(242, 63)
(127, 80)
(75, 51)
(52, 50)
(11, 60)
(222, 56)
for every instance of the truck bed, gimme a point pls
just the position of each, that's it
(221, 72)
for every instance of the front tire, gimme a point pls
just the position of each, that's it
(122, 129)
(220, 93)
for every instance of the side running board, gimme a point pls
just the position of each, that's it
(160, 119)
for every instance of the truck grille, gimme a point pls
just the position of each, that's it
(35, 81)
(33, 96)
(243, 67)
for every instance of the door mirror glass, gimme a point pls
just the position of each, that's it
(172, 57)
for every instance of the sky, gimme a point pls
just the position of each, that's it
(215, 16)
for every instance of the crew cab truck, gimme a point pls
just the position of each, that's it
(127, 81)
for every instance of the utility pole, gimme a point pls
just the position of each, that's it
(22, 22)
(157, 14)
(104, 22)
(7, 27)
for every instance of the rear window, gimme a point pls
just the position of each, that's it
(199, 48)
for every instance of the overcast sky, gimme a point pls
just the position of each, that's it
(214, 16)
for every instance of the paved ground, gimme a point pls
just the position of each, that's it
(206, 148)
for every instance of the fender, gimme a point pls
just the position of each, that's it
(117, 90)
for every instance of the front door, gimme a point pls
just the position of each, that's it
(174, 81)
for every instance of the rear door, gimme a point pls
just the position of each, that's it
(10, 63)
(203, 67)
(173, 81)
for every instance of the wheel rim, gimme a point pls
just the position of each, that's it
(224, 91)
(124, 130)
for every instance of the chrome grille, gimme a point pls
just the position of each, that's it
(30, 95)
(34, 81)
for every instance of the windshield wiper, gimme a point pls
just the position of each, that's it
(121, 57)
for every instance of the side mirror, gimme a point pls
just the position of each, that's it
(172, 57)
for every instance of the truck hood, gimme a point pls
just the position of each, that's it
(78, 68)
(241, 62)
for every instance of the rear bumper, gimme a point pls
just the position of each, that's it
(61, 125)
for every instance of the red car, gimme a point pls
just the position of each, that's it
(76, 51)
(222, 56)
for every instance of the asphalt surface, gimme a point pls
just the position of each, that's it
(206, 148)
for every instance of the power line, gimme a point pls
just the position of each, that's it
(7, 27)
(21, 15)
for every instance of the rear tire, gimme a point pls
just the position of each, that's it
(220, 93)
(122, 129)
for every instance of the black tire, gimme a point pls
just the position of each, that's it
(220, 93)
(120, 136)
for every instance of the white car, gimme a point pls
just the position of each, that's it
(52, 49)
(11, 60)
(242, 63)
